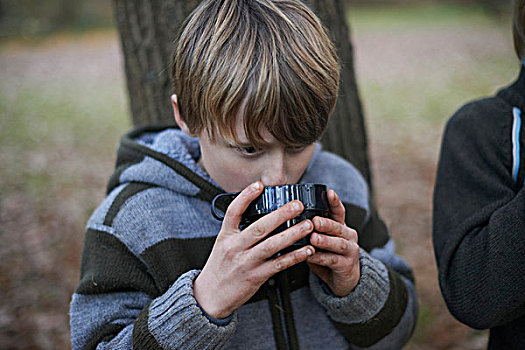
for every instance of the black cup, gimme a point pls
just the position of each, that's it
(313, 197)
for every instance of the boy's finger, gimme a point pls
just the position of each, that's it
(268, 223)
(233, 215)
(271, 267)
(336, 245)
(337, 210)
(274, 244)
(333, 228)
(326, 259)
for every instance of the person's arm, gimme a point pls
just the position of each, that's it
(117, 304)
(479, 219)
(374, 307)
(381, 312)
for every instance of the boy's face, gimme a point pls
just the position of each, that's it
(235, 166)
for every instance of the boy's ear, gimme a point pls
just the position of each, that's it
(178, 118)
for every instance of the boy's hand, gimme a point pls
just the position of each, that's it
(238, 264)
(338, 262)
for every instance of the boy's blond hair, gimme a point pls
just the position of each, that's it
(270, 61)
(518, 28)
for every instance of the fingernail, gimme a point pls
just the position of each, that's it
(295, 206)
(255, 186)
(308, 252)
(307, 225)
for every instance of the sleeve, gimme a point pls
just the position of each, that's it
(381, 312)
(479, 219)
(117, 304)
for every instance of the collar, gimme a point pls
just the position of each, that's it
(515, 93)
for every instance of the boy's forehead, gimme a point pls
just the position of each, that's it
(240, 134)
(256, 134)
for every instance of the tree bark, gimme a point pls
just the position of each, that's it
(346, 131)
(148, 30)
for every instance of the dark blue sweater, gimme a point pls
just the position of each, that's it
(479, 216)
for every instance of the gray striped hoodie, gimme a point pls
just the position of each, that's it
(147, 241)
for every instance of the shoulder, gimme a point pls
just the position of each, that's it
(141, 216)
(339, 175)
(481, 117)
(481, 128)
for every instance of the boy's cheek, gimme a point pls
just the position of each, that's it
(234, 183)
(232, 176)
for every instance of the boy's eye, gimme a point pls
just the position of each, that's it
(246, 150)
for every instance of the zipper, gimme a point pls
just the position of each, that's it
(286, 302)
(281, 311)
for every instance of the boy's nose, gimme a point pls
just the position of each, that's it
(274, 173)
(274, 179)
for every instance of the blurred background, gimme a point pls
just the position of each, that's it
(64, 105)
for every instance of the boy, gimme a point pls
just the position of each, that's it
(479, 210)
(255, 82)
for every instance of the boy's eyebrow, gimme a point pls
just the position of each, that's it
(240, 144)
(244, 143)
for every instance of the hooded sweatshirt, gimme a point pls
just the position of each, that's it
(149, 239)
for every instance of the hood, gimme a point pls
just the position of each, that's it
(164, 157)
(167, 157)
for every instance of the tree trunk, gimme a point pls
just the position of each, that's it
(346, 132)
(148, 29)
